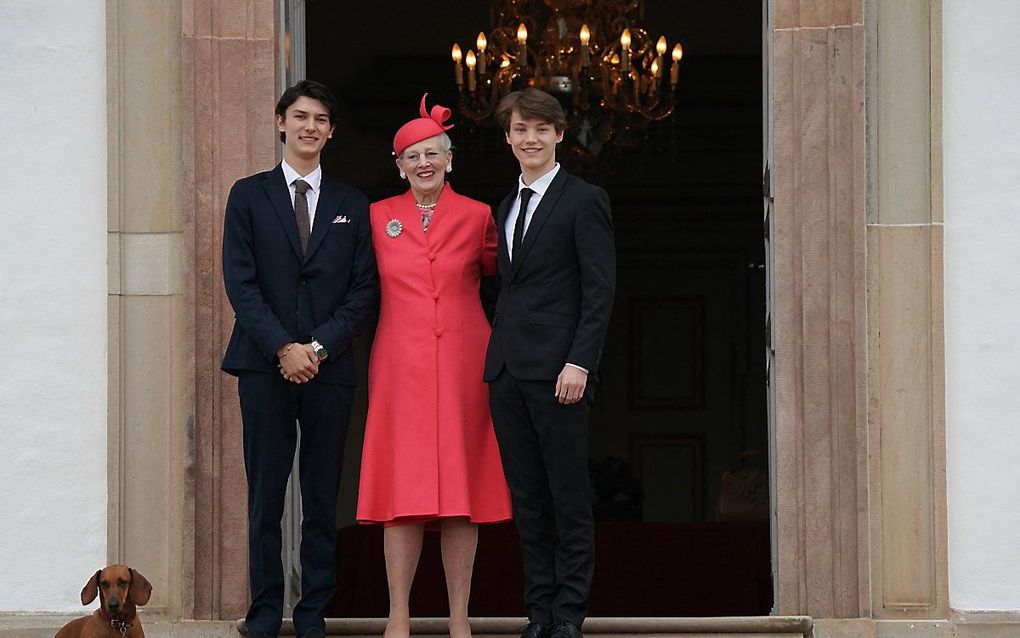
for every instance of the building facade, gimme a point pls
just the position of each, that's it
(891, 172)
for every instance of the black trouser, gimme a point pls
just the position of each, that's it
(544, 447)
(270, 406)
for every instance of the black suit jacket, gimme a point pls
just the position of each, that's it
(556, 298)
(279, 296)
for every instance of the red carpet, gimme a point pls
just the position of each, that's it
(641, 569)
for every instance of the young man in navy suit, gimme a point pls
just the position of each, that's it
(301, 277)
(557, 263)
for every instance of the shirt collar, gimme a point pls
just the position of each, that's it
(314, 178)
(540, 185)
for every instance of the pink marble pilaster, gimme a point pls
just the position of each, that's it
(229, 93)
(819, 307)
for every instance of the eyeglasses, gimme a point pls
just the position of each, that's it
(414, 157)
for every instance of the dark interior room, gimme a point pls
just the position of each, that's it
(678, 434)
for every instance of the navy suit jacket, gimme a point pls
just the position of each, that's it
(556, 297)
(279, 296)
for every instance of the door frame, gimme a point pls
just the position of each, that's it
(855, 272)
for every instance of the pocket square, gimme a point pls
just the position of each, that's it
(342, 219)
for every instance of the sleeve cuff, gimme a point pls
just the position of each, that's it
(574, 365)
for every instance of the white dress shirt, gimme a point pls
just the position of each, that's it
(314, 180)
(540, 186)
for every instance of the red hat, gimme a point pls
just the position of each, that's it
(422, 128)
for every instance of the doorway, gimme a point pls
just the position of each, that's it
(679, 430)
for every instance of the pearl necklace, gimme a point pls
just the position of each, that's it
(426, 206)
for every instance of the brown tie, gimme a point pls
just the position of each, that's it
(301, 212)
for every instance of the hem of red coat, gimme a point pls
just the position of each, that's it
(427, 519)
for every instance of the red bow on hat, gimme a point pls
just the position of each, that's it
(422, 128)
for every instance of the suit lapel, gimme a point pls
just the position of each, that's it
(329, 202)
(276, 189)
(503, 254)
(545, 207)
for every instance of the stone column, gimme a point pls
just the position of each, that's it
(857, 248)
(149, 409)
(819, 318)
(229, 67)
(906, 394)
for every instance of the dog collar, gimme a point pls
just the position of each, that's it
(120, 625)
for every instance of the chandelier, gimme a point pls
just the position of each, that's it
(611, 77)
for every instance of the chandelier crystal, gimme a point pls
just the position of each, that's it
(611, 77)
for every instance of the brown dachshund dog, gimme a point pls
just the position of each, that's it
(120, 589)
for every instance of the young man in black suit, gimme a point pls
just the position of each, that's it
(301, 277)
(557, 263)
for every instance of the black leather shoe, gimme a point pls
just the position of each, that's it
(536, 630)
(314, 632)
(566, 630)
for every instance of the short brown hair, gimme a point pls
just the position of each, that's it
(531, 103)
(310, 89)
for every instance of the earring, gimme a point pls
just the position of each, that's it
(402, 175)
(449, 168)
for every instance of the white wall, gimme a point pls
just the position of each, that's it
(982, 212)
(52, 301)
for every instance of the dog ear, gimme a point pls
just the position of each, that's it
(141, 589)
(91, 589)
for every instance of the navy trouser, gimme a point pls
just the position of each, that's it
(271, 408)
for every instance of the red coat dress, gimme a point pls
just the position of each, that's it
(430, 451)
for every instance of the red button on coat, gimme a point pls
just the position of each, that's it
(439, 332)
(432, 256)
(435, 295)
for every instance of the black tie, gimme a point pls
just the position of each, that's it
(526, 194)
(301, 212)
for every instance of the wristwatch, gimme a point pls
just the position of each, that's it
(319, 350)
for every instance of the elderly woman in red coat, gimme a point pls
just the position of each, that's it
(430, 455)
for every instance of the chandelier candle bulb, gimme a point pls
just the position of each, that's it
(470, 59)
(674, 71)
(660, 49)
(482, 43)
(594, 56)
(585, 38)
(458, 70)
(522, 40)
(625, 51)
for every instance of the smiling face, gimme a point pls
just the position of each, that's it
(534, 144)
(307, 126)
(425, 163)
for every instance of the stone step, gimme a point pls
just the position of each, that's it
(717, 627)
(45, 625)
